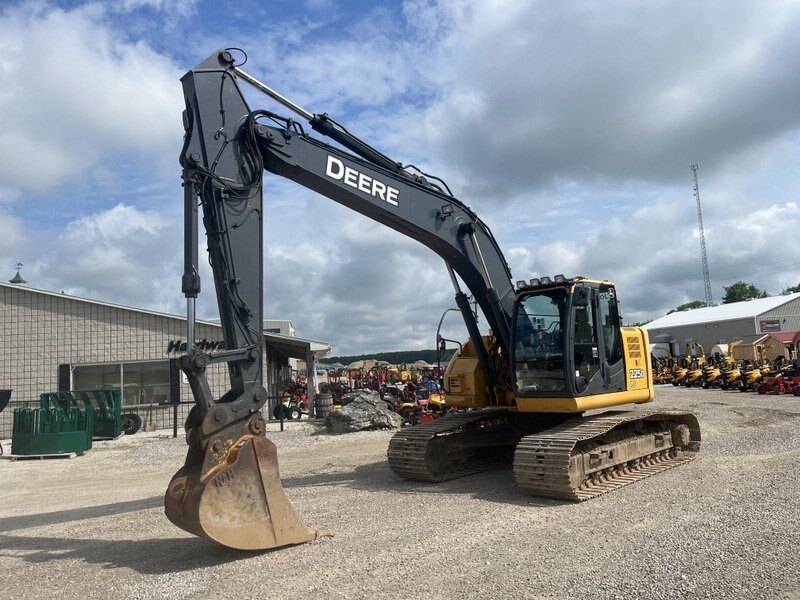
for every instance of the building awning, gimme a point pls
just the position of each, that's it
(296, 347)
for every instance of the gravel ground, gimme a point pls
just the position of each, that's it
(724, 526)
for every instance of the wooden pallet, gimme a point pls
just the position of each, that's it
(39, 456)
(107, 439)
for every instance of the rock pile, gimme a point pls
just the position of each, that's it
(362, 410)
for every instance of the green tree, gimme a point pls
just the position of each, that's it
(740, 291)
(792, 289)
(395, 358)
(688, 306)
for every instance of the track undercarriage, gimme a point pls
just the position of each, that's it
(556, 456)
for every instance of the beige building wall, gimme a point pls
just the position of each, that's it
(42, 330)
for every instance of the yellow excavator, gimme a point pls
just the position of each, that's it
(529, 388)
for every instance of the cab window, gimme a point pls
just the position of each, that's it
(608, 313)
(538, 342)
(586, 349)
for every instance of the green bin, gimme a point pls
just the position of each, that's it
(105, 403)
(52, 431)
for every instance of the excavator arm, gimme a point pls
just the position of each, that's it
(229, 488)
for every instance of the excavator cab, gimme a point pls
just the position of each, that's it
(568, 352)
(563, 334)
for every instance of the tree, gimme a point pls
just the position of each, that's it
(688, 306)
(792, 289)
(740, 291)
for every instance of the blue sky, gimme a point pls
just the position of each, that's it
(568, 127)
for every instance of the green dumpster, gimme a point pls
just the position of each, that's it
(106, 404)
(53, 431)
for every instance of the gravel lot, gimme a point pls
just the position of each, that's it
(724, 526)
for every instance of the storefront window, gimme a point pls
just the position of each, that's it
(142, 383)
(96, 376)
(146, 383)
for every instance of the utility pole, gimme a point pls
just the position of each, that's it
(703, 255)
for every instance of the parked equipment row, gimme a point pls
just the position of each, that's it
(769, 377)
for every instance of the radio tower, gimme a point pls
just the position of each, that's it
(703, 255)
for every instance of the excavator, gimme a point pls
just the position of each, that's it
(527, 391)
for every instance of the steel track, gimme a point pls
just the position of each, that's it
(461, 444)
(541, 461)
(436, 451)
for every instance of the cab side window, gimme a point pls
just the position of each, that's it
(610, 325)
(587, 360)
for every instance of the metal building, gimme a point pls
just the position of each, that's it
(726, 323)
(54, 341)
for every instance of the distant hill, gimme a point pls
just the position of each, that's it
(396, 358)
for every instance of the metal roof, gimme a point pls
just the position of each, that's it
(784, 336)
(295, 347)
(63, 295)
(292, 346)
(752, 339)
(723, 312)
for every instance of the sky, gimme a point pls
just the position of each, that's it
(568, 127)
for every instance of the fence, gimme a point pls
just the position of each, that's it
(155, 417)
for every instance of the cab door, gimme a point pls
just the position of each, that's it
(612, 364)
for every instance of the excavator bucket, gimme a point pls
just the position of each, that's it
(232, 493)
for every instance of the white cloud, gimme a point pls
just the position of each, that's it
(530, 92)
(181, 7)
(14, 243)
(570, 129)
(86, 99)
(118, 255)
